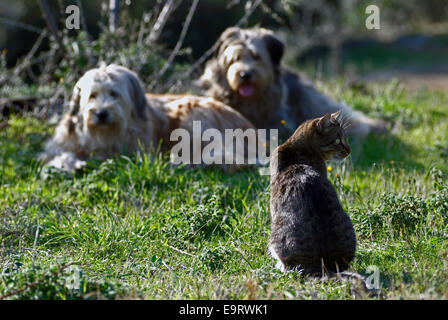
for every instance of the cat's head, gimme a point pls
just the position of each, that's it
(329, 137)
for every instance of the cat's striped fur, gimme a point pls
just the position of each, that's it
(310, 230)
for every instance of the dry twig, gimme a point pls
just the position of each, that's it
(181, 39)
(26, 62)
(50, 23)
(168, 8)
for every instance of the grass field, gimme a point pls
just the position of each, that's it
(133, 227)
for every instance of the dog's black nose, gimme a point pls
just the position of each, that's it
(245, 75)
(102, 115)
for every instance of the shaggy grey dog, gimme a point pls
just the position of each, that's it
(246, 74)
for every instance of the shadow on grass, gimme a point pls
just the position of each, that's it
(18, 156)
(386, 149)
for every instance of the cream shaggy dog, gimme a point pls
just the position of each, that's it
(110, 114)
(246, 74)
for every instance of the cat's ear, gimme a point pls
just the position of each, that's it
(335, 116)
(323, 122)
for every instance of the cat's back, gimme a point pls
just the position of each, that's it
(308, 222)
(291, 185)
(297, 208)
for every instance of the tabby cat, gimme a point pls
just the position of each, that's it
(310, 230)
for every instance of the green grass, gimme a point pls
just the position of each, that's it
(135, 227)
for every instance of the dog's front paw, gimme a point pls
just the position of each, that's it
(80, 164)
(66, 162)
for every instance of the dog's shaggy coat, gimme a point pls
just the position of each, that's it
(246, 74)
(110, 114)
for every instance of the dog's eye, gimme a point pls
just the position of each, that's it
(93, 95)
(337, 141)
(114, 94)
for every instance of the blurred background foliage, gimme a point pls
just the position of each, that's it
(323, 37)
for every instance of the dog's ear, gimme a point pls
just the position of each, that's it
(137, 95)
(73, 106)
(229, 33)
(275, 47)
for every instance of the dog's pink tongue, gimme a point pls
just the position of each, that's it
(246, 90)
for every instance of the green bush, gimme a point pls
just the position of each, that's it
(401, 217)
(54, 281)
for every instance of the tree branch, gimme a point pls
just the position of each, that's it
(181, 39)
(168, 8)
(50, 22)
(114, 11)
